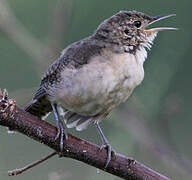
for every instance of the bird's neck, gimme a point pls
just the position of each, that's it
(140, 55)
(139, 51)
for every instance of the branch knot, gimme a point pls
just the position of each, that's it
(6, 103)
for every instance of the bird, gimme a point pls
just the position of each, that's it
(94, 75)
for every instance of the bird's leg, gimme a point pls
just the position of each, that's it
(105, 144)
(61, 132)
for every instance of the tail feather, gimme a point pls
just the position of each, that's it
(84, 125)
(39, 107)
(72, 124)
(74, 120)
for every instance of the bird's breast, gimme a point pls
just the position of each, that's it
(103, 83)
(129, 73)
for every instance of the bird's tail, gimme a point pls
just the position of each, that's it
(74, 120)
(39, 107)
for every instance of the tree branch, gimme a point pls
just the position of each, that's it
(17, 119)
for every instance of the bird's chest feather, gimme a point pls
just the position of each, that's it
(103, 83)
(127, 74)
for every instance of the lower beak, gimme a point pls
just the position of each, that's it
(158, 18)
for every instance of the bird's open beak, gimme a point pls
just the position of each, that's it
(158, 18)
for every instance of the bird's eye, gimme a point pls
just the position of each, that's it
(137, 23)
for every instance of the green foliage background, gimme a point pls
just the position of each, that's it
(153, 126)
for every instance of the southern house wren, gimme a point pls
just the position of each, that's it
(95, 74)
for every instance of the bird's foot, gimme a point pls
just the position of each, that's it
(110, 152)
(62, 134)
(61, 131)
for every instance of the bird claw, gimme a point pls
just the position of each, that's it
(110, 152)
(62, 134)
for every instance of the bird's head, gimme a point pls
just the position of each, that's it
(129, 29)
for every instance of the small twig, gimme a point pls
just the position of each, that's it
(76, 148)
(31, 165)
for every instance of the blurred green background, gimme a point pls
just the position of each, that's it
(153, 126)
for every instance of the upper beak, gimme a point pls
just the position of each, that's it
(158, 18)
